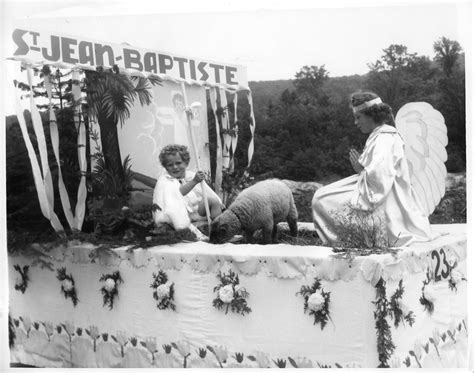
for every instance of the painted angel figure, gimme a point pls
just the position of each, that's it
(400, 174)
(175, 122)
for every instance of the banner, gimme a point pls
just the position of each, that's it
(55, 47)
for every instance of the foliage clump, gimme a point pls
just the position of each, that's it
(360, 232)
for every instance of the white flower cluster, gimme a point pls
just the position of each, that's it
(429, 293)
(163, 291)
(316, 301)
(456, 276)
(67, 285)
(109, 284)
(226, 293)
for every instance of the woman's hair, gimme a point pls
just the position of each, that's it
(380, 113)
(173, 149)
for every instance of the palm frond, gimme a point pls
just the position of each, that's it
(143, 92)
(155, 80)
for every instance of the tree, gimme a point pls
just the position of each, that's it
(110, 95)
(309, 81)
(447, 53)
(452, 102)
(399, 77)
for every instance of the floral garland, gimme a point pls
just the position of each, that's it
(122, 340)
(21, 282)
(93, 332)
(109, 290)
(49, 329)
(224, 358)
(11, 332)
(427, 293)
(26, 324)
(385, 346)
(220, 352)
(317, 301)
(398, 309)
(231, 294)
(280, 363)
(184, 350)
(151, 345)
(455, 277)
(164, 292)
(437, 340)
(67, 285)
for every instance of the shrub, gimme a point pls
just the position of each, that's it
(360, 232)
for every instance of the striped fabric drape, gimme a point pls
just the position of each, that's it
(227, 141)
(219, 162)
(235, 133)
(252, 128)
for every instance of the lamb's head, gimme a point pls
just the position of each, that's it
(224, 227)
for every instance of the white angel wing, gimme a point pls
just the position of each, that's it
(425, 135)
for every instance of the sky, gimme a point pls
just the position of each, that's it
(274, 40)
(274, 43)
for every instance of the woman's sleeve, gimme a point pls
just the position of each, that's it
(376, 179)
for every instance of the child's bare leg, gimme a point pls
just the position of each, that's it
(215, 207)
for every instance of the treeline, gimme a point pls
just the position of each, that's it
(305, 126)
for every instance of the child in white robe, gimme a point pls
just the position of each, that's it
(382, 183)
(178, 198)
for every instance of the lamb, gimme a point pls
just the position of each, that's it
(261, 206)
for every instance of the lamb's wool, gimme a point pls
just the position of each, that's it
(260, 206)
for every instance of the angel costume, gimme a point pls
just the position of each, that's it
(383, 187)
(173, 207)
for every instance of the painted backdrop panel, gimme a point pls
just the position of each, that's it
(164, 122)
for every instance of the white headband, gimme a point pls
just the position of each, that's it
(367, 104)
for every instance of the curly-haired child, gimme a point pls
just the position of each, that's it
(178, 197)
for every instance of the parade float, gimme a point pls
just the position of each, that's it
(75, 303)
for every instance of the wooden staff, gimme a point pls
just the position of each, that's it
(195, 153)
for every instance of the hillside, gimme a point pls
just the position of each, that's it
(268, 92)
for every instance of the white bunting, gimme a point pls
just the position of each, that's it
(42, 180)
(53, 130)
(80, 210)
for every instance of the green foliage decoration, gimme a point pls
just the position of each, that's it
(385, 345)
(23, 284)
(321, 315)
(67, 285)
(235, 298)
(165, 300)
(395, 311)
(110, 294)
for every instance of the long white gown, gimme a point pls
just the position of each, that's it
(382, 187)
(174, 208)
